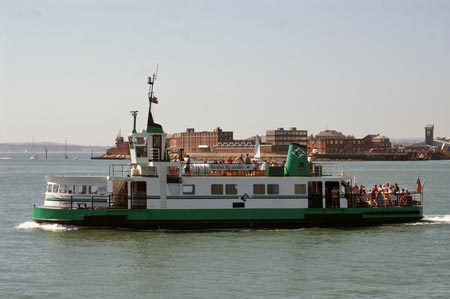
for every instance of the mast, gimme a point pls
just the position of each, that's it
(257, 153)
(152, 127)
(65, 150)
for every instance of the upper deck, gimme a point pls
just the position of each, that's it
(180, 169)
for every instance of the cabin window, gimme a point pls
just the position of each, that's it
(231, 189)
(259, 189)
(49, 187)
(81, 189)
(141, 151)
(188, 189)
(157, 141)
(93, 189)
(71, 189)
(63, 189)
(141, 146)
(300, 188)
(102, 190)
(55, 188)
(273, 189)
(173, 170)
(217, 189)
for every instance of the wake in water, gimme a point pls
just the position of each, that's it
(432, 220)
(437, 219)
(30, 225)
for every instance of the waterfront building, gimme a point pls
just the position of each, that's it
(281, 138)
(334, 142)
(204, 141)
(429, 134)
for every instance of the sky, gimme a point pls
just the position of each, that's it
(73, 70)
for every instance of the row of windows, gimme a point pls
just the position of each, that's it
(258, 189)
(278, 133)
(74, 189)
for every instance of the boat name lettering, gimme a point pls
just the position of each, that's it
(247, 167)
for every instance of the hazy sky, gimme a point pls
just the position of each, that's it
(73, 70)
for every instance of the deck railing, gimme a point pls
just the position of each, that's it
(88, 202)
(119, 170)
(118, 201)
(395, 200)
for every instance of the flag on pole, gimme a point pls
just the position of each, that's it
(154, 100)
(419, 185)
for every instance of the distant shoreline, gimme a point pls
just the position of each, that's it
(51, 147)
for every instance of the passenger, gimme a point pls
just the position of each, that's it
(380, 199)
(355, 189)
(247, 159)
(373, 196)
(395, 194)
(355, 195)
(408, 197)
(264, 165)
(363, 200)
(374, 188)
(187, 168)
(229, 160)
(347, 189)
(255, 167)
(239, 159)
(402, 197)
(397, 188)
(388, 195)
(335, 197)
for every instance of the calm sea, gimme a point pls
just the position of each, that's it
(51, 261)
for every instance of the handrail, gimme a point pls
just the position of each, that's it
(396, 200)
(89, 199)
(119, 170)
(155, 154)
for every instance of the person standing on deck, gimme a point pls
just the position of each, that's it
(187, 168)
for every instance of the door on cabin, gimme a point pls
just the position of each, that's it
(119, 194)
(315, 198)
(139, 195)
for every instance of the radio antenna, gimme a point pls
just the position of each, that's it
(151, 125)
(151, 81)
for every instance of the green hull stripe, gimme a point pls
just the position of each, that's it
(50, 214)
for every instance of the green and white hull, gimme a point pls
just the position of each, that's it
(183, 219)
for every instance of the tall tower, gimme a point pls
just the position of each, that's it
(429, 134)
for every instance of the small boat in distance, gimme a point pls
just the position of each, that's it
(156, 193)
(33, 156)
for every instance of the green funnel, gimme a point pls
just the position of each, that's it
(297, 161)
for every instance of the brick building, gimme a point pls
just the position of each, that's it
(281, 138)
(204, 141)
(334, 142)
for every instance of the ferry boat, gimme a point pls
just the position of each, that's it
(158, 194)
